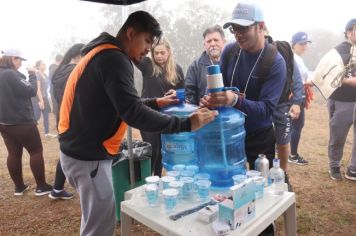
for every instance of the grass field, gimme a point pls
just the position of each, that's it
(324, 207)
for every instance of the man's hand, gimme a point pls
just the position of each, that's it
(294, 111)
(218, 99)
(201, 117)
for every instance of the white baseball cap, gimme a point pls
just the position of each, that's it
(13, 52)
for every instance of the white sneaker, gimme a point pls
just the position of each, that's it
(49, 135)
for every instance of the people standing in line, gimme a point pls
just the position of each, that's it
(195, 81)
(17, 122)
(160, 75)
(335, 77)
(299, 44)
(99, 102)
(51, 69)
(43, 107)
(59, 80)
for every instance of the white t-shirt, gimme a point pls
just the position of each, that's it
(304, 72)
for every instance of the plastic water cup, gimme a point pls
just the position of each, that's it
(193, 168)
(178, 167)
(252, 173)
(166, 180)
(152, 180)
(170, 196)
(187, 189)
(174, 173)
(186, 173)
(238, 179)
(259, 186)
(177, 185)
(203, 189)
(151, 191)
(200, 176)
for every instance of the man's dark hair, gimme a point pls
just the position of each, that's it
(213, 29)
(142, 21)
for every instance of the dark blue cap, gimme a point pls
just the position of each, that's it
(300, 38)
(350, 24)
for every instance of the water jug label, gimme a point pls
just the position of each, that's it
(180, 147)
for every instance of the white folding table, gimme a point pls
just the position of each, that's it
(268, 209)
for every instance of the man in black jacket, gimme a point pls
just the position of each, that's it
(195, 81)
(99, 102)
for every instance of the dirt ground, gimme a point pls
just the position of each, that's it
(324, 207)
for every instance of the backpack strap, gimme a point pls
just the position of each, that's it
(230, 54)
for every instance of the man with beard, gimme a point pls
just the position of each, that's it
(241, 63)
(195, 81)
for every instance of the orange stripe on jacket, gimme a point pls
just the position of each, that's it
(112, 144)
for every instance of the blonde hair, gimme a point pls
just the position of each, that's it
(170, 66)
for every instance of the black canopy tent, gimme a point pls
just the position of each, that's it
(116, 2)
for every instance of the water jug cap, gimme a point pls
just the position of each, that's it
(214, 69)
(180, 93)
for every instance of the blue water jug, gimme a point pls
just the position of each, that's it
(221, 143)
(180, 148)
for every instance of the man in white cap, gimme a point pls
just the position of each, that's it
(335, 77)
(240, 66)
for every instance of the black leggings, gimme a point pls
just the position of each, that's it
(17, 137)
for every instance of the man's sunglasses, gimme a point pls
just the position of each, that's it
(234, 29)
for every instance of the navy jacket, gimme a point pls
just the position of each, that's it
(260, 99)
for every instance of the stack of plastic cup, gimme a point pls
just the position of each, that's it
(238, 179)
(151, 191)
(166, 180)
(193, 168)
(152, 180)
(187, 190)
(174, 173)
(170, 196)
(203, 188)
(259, 186)
(178, 167)
(186, 173)
(177, 185)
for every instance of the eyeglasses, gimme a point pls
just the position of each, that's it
(234, 29)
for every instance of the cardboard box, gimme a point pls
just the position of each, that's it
(242, 208)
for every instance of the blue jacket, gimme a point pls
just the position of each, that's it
(297, 86)
(260, 99)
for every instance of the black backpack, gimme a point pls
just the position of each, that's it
(272, 47)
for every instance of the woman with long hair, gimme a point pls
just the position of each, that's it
(43, 107)
(17, 122)
(59, 81)
(160, 75)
